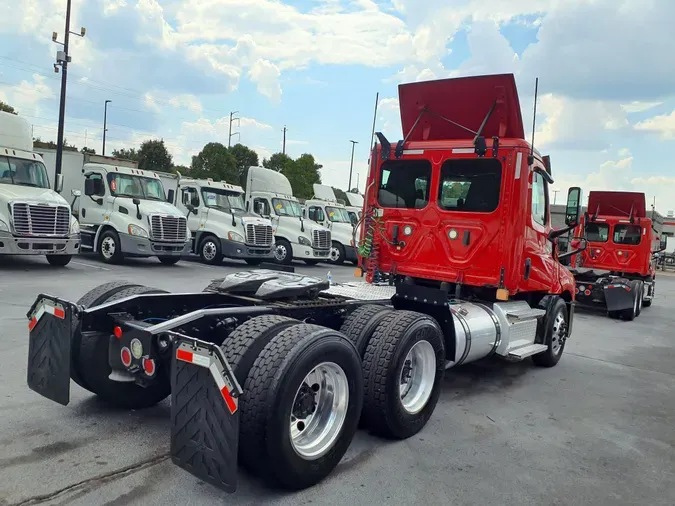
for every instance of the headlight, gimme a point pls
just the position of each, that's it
(304, 241)
(233, 236)
(75, 227)
(137, 231)
(3, 226)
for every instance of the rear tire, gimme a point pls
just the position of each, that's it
(59, 260)
(641, 294)
(385, 411)
(648, 303)
(555, 335)
(93, 352)
(271, 443)
(631, 313)
(361, 323)
(169, 260)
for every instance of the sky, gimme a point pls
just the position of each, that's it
(176, 69)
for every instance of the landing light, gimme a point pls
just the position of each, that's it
(407, 230)
(136, 348)
(452, 234)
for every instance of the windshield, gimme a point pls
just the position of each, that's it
(126, 185)
(285, 207)
(23, 172)
(223, 199)
(337, 214)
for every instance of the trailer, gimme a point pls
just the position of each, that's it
(275, 371)
(617, 270)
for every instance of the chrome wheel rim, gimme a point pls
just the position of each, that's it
(209, 250)
(334, 254)
(558, 333)
(319, 410)
(280, 252)
(108, 247)
(416, 381)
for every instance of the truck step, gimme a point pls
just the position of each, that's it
(526, 351)
(524, 314)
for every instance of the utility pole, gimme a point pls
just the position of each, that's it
(283, 147)
(105, 123)
(351, 166)
(232, 118)
(62, 59)
(555, 195)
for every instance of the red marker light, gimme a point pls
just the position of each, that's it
(125, 355)
(118, 332)
(149, 366)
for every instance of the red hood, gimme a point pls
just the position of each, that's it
(617, 204)
(464, 100)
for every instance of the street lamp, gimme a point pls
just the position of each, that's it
(351, 165)
(105, 120)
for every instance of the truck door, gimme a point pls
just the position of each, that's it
(93, 208)
(540, 269)
(187, 195)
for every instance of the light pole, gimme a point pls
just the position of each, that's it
(232, 118)
(62, 59)
(105, 120)
(351, 165)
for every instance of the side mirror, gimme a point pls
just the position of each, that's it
(170, 196)
(258, 208)
(573, 208)
(59, 183)
(136, 201)
(547, 164)
(664, 243)
(75, 193)
(248, 205)
(93, 187)
(194, 201)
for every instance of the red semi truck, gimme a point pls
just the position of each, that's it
(274, 370)
(617, 269)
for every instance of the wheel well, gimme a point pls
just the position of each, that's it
(99, 231)
(277, 237)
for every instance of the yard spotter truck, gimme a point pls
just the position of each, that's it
(275, 370)
(269, 194)
(617, 269)
(219, 222)
(34, 219)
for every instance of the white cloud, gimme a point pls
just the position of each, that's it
(26, 96)
(637, 106)
(111, 7)
(252, 123)
(664, 125)
(188, 101)
(150, 102)
(266, 76)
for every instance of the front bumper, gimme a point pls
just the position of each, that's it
(144, 247)
(233, 249)
(17, 245)
(302, 252)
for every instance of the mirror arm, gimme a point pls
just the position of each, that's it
(574, 252)
(554, 234)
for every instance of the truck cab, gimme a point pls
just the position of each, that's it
(124, 212)
(269, 194)
(34, 219)
(220, 224)
(325, 210)
(617, 269)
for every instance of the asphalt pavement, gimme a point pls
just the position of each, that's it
(596, 429)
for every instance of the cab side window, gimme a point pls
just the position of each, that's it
(316, 214)
(539, 199)
(187, 195)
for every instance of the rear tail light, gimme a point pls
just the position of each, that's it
(125, 355)
(587, 292)
(149, 366)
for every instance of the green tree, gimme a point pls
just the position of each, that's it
(303, 173)
(215, 161)
(278, 162)
(90, 151)
(40, 144)
(126, 154)
(153, 155)
(7, 108)
(180, 168)
(245, 158)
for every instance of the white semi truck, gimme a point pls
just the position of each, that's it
(34, 219)
(325, 210)
(123, 211)
(269, 194)
(220, 224)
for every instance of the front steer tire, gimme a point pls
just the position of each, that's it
(95, 368)
(269, 399)
(385, 357)
(557, 314)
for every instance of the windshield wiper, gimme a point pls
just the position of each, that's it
(129, 195)
(21, 183)
(152, 197)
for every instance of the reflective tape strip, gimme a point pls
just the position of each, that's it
(224, 391)
(46, 308)
(188, 356)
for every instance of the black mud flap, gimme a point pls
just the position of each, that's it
(49, 327)
(204, 413)
(618, 296)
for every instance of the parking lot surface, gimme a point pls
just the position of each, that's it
(596, 429)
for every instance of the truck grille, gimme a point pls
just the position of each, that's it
(168, 228)
(259, 235)
(37, 219)
(321, 239)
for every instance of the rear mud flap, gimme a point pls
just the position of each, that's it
(49, 326)
(618, 297)
(204, 413)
